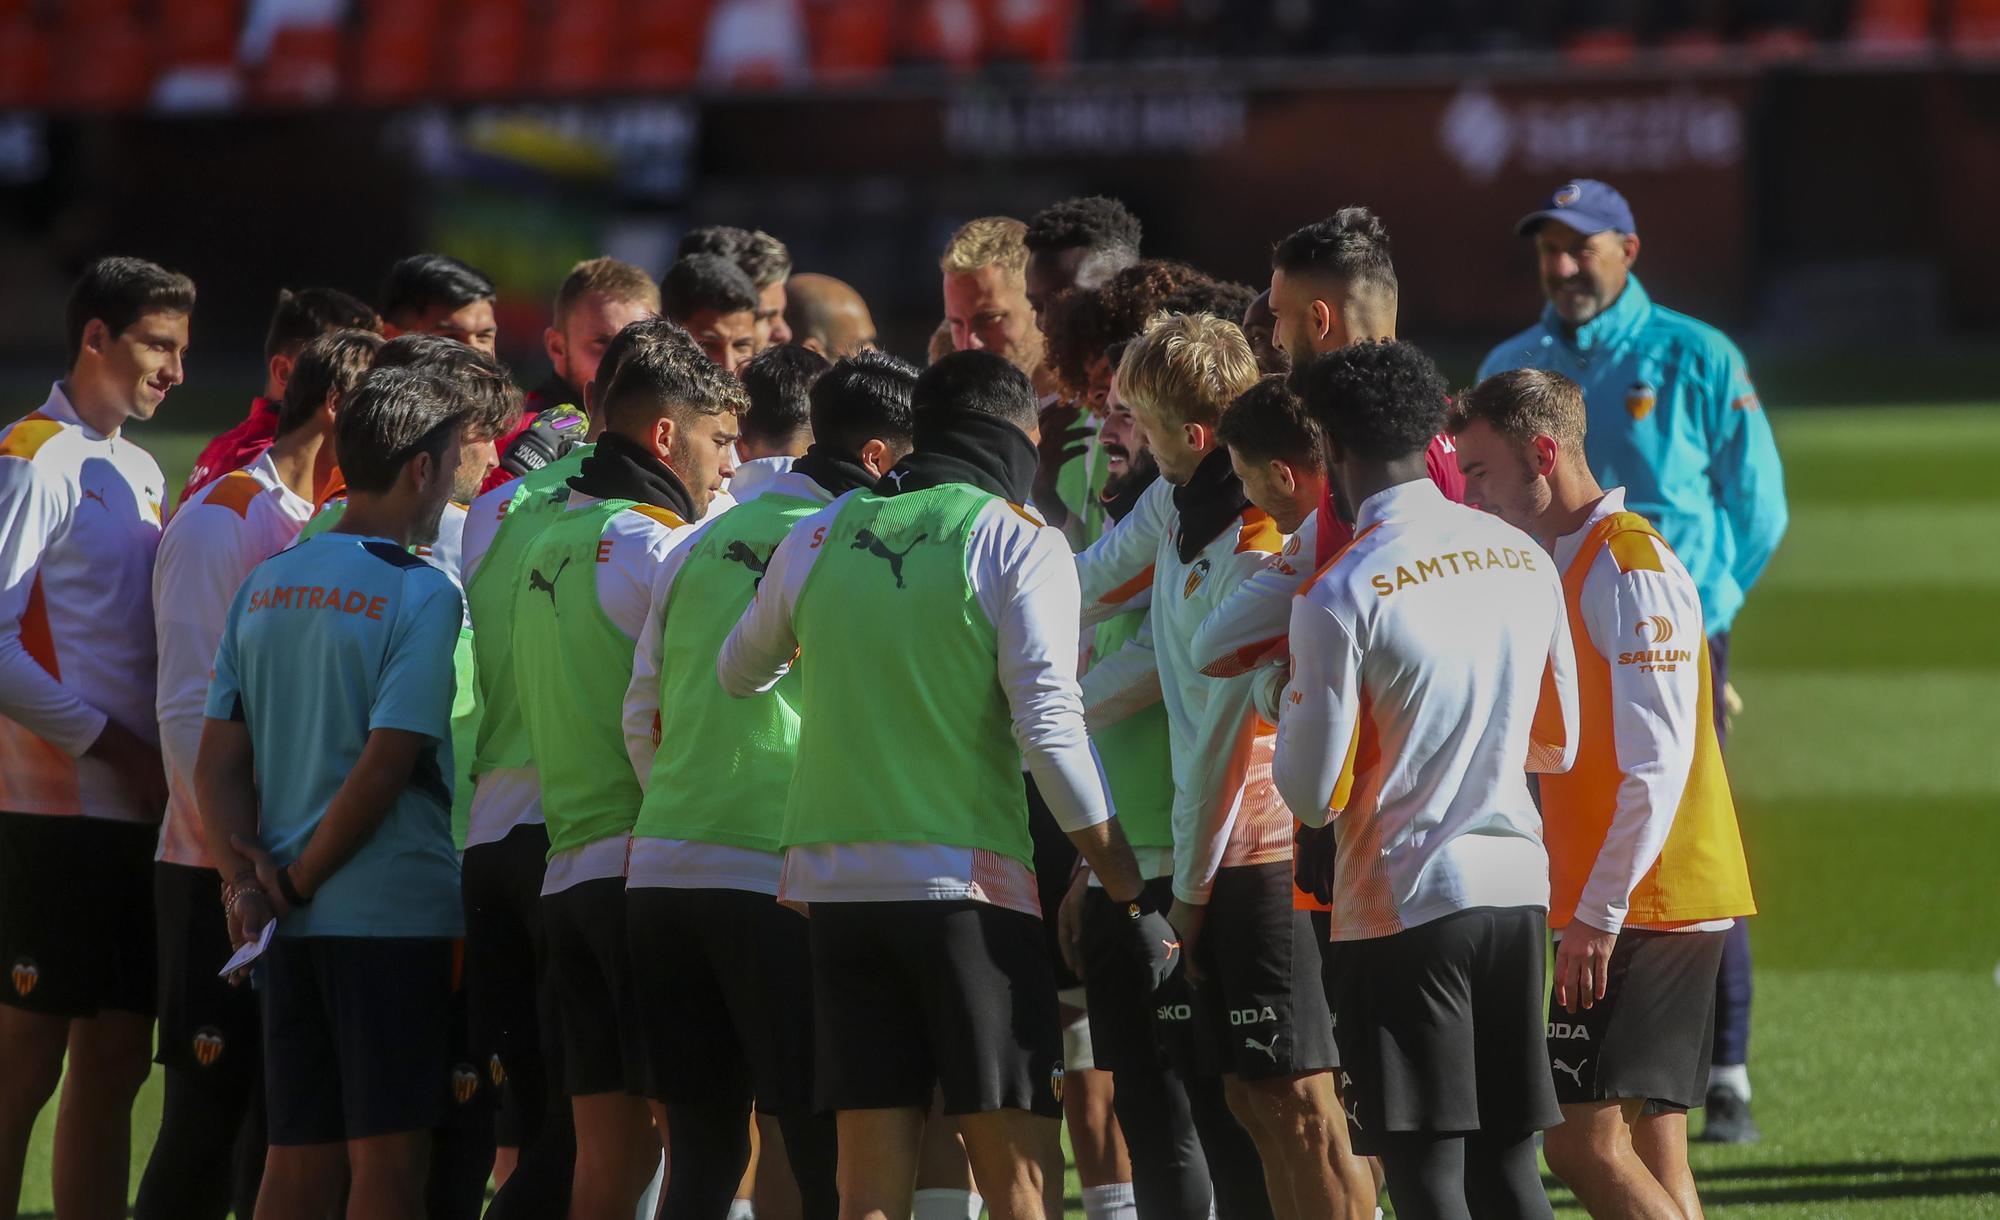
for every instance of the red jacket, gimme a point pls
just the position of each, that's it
(236, 448)
(1443, 463)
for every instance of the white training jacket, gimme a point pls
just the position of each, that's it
(1431, 670)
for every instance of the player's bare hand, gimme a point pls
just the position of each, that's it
(1187, 919)
(246, 918)
(267, 873)
(1583, 965)
(1062, 442)
(1069, 923)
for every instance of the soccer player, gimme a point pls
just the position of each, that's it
(436, 294)
(515, 1031)
(1078, 243)
(761, 257)
(324, 784)
(81, 785)
(1646, 864)
(828, 316)
(300, 317)
(934, 619)
(1260, 326)
(711, 298)
(777, 429)
(1674, 420)
(1258, 1016)
(583, 592)
(985, 267)
(209, 1031)
(598, 298)
(1421, 656)
(718, 963)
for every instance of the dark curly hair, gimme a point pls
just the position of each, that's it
(1223, 298)
(1268, 423)
(1095, 222)
(1080, 323)
(1377, 400)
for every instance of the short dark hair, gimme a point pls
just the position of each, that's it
(862, 398)
(118, 291)
(1097, 223)
(391, 415)
(665, 380)
(305, 314)
(761, 256)
(976, 381)
(779, 382)
(1378, 399)
(328, 365)
(492, 400)
(1352, 245)
(705, 281)
(421, 282)
(1522, 404)
(1268, 423)
(1223, 299)
(635, 335)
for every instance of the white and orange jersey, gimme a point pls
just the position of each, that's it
(217, 535)
(1226, 811)
(80, 519)
(1642, 831)
(1432, 667)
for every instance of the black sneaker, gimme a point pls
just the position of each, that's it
(1729, 1120)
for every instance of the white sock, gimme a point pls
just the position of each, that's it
(1734, 1077)
(947, 1205)
(1112, 1202)
(740, 1209)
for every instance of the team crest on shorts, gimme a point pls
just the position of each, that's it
(1056, 1081)
(1195, 576)
(26, 975)
(496, 1071)
(1640, 400)
(464, 1083)
(207, 1045)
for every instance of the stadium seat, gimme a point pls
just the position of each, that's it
(851, 39)
(484, 43)
(665, 44)
(945, 33)
(577, 45)
(1038, 32)
(199, 33)
(303, 67)
(1891, 27)
(103, 62)
(394, 56)
(1975, 28)
(24, 62)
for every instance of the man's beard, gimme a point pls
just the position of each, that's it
(1140, 469)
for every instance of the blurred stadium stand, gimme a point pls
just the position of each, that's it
(119, 55)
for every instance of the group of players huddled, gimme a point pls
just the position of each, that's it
(1171, 710)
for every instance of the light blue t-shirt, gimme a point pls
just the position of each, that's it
(1673, 419)
(326, 642)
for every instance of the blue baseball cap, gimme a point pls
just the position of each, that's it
(1584, 204)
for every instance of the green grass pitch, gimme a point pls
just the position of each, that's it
(1866, 766)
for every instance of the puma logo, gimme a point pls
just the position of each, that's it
(98, 496)
(547, 584)
(1354, 1115)
(740, 552)
(1173, 946)
(865, 540)
(1251, 1044)
(1575, 1073)
(898, 476)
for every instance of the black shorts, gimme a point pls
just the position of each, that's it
(590, 973)
(1123, 1004)
(76, 914)
(1649, 1036)
(507, 996)
(1055, 866)
(205, 1023)
(1441, 1027)
(1260, 1011)
(724, 983)
(357, 1036)
(912, 998)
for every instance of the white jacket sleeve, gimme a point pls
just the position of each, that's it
(763, 644)
(32, 512)
(1552, 738)
(1653, 716)
(1116, 572)
(1248, 629)
(1313, 763)
(642, 695)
